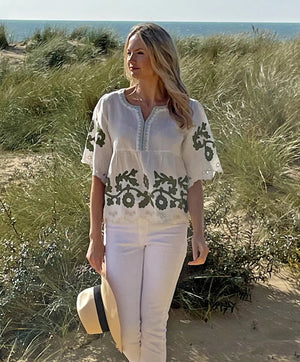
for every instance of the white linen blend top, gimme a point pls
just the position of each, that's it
(147, 166)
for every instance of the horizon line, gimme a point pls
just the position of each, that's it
(165, 21)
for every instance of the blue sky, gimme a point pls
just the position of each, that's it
(153, 10)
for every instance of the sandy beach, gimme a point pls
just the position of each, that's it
(265, 329)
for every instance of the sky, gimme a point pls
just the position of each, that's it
(153, 10)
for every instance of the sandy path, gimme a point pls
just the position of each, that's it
(17, 166)
(15, 53)
(268, 328)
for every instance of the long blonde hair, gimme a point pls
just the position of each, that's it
(165, 62)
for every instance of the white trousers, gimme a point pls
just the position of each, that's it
(143, 263)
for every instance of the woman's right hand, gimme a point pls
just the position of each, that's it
(95, 252)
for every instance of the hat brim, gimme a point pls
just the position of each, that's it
(93, 314)
(111, 312)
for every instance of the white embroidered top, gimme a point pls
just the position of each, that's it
(147, 166)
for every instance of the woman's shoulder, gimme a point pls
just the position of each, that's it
(199, 114)
(195, 103)
(107, 100)
(197, 106)
(111, 96)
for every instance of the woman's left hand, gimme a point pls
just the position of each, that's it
(200, 250)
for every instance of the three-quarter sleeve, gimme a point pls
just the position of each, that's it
(199, 149)
(98, 146)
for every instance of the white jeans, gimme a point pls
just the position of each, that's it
(143, 263)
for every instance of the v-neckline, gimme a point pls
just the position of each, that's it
(139, 108)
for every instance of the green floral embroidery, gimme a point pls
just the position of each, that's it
(125, 188)
(101, 137)
(100, 140)
(201, 138)
(167, 191)
(161, 202)
(146, 181)
(173, 184)
(128, 199)
(89, 144)
(89, 141)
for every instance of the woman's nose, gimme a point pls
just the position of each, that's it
(131, 57)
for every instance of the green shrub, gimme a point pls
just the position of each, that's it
(244, 249)
(38, 289)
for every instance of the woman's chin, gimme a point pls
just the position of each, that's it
(134, 75)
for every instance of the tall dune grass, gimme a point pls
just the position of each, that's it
(35, 105)
(249, 87)
(3, 37)
(102, 39)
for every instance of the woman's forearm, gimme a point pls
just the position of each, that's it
(96, 249)
(96, 206)
(195, 205)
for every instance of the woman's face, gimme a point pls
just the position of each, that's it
(138, 59)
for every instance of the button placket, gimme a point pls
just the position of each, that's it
(145, 129)
(140, 131)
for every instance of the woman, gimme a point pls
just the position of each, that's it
(150, 147)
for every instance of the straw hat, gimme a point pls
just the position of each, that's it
(97, 310)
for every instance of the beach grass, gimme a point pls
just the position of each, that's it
(3, 37)
(249, 87)
(104, 40)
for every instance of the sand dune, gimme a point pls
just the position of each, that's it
(15, 53)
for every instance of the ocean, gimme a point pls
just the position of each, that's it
(18, 30)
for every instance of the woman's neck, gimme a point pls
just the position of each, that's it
(149, 93)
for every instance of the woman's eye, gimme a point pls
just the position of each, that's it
(129, 53)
